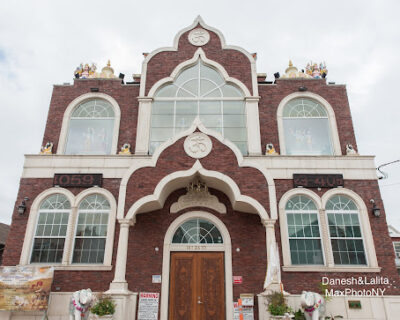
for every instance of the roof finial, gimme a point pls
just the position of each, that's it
(108, 63)
(290, 63)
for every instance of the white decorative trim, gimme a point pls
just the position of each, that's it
(366, 232)
(197, 145)
(199, 37)
(62, 141)
(372, 263)
(213, 179)
(329, 269)
(70, 235)
(226, 247)
(197, 21)
(201, 198)
(32, 221)
(331, 117)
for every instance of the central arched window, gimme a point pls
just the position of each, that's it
(197, 231)
(304, 232)
(306, 128)
(91, 128)
(199, 91)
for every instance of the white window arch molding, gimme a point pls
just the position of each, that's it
(169, 247)
(72, 221)
(320, 202)
(363, 215)
(251, 106)
(62, 142)
(337, 151)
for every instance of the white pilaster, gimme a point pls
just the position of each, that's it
(253, 126)
(119, 284)
(325, 239)
(143, 126)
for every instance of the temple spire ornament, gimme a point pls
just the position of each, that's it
(84, 71)
(292, 72)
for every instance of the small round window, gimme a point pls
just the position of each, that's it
(197, 231)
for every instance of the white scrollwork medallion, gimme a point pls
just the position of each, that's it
(199, 37)
(197, 145)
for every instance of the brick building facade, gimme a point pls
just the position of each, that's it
(200, 181)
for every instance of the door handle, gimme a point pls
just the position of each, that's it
(199, 301)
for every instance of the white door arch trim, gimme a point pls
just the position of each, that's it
(169, 247)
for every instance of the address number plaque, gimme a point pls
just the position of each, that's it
(318, 180)
(78, 180)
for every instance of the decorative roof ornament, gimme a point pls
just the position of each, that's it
(47, 148)
(317, 71)
(89, 72)
(292, 72)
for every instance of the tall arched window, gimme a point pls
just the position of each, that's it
(51, 230)
(91, 128)
(199, 91)
(91, 229)
(304, 232)
(306, 128)
(345, 231)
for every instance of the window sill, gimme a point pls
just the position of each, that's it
(78, 267)
(330, 269)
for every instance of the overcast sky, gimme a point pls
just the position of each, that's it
(42, 42)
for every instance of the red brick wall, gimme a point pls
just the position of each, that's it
(272, 95)
(246, 231)
(125, 95)
(221, 159)
(295, 282)
(235, 62)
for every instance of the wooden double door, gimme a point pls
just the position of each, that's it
(197, 286)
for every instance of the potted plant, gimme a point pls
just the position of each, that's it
(277, 306)
(104, 308)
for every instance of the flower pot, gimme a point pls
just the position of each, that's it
(106, 317)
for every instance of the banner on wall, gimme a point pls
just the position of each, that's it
(25, 288)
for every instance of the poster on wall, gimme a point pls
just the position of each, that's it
(247, 313)
(148, 306)
(25, 288)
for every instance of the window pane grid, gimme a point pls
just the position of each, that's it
(346, 237)
(91, 230)
(201, 92)
(51, 230)
(197, 231)
(303, 231)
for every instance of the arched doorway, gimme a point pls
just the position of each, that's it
(197, 269)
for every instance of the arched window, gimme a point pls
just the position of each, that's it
(91, 229)
(304, 231)
(197, 231)
(345, 231)
(306, 128)
(51, 230)
(199, 91)
(91, 128)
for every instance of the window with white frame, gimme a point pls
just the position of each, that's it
(91, 128)
(199, 91)
(197, 231)
(304, 231)
(306, 128)
(396, 246)
(345, 231)
(51, 230)
(91, 230)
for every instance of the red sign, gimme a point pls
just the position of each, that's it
(237, 279)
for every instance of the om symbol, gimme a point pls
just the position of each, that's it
(198, 145)
(199, 37)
